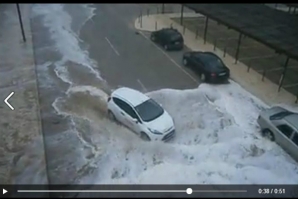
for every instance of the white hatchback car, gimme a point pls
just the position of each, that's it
(141, 114)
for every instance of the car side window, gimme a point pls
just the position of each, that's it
(295, 138)
(125, 107)
(286, 130)
(118, 102)
(157, 33)
(197, 61)
(162, 35)
(129, 110)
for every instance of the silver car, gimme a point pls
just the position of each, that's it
(281, 125)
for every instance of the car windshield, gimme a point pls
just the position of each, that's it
(149, 110)
(279, 116)
(211, 60)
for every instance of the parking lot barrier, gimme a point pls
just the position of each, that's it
(197, 32)
(225, 51)
(214, 44)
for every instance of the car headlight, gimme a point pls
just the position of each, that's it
(155, 132)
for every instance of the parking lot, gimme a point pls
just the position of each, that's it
(252, 53)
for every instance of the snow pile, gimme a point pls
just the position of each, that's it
(217, 142)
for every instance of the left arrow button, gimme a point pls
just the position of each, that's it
(6, 101)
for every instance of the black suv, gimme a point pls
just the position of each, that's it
(168, 38)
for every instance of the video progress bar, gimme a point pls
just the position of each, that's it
(188, 191)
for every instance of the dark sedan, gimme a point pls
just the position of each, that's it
(168, 38)
(208, 65)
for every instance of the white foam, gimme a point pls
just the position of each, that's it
(43, 72)
(90, 13)
(89, 89)
(56, 107)
(58, 21)
(216, 143)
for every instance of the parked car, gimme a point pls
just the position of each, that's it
(168, 38)
(141, 114)
(281, 125)
(208, 65)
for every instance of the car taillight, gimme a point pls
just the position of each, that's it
(213, 74)
(109, 99)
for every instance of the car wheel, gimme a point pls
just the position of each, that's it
(166, 47)
(203, 77)
(185, 62)
(268, 134)
(145, 137)
(153, 38)
(111, 116)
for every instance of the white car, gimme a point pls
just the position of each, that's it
(141, 114)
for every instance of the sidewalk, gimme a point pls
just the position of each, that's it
(252, 81)
(18, 127)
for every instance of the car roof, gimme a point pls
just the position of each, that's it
(170, 31)
(293, 120)
(205, 53)
(133, 97)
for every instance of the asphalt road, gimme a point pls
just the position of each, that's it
(128, 59)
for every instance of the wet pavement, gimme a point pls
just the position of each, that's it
(21, 143)
(82, 50)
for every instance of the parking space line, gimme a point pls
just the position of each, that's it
(170, 58)
(112, 46)
(142, 85)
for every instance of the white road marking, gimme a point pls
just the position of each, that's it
(112, 46)
(142, 85)
(170, 58)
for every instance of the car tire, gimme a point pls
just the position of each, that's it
(166, 47)
(145, 137)
(203, 77)
(185, 62)
(153, 38)
(268, 134)
(111, 116)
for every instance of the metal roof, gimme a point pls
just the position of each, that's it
(276, 29)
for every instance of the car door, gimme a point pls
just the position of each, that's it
(294, 147)
(197, 65)
(131, 119)
(191, 61)
(284, 136)
(163, 38)
(118, 111)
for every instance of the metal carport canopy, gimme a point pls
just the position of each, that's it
(276, 29)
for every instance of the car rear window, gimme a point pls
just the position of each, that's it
(280, 115)
(210, 60)
(176, 37)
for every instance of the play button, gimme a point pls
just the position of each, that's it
(4, 191)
